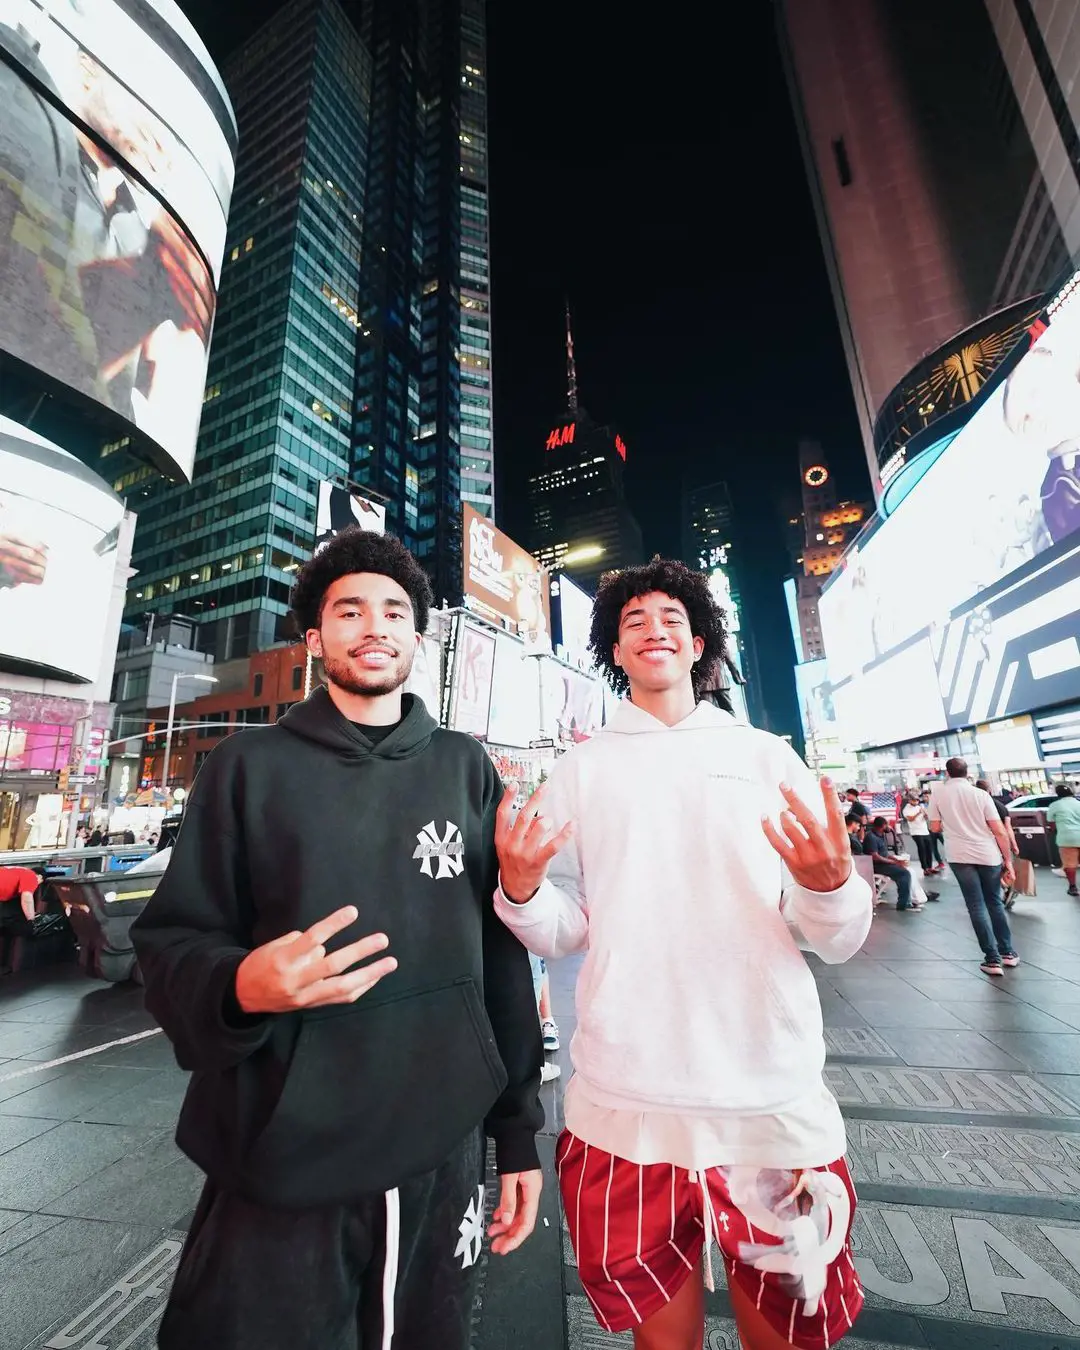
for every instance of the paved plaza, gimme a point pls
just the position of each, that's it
(962, 1097)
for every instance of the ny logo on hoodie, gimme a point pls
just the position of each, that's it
(450, 851)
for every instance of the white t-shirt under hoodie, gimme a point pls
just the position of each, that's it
(699, 1038)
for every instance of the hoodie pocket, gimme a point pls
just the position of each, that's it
(377, 1093)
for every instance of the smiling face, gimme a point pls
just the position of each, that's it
(367, 637)
(656, 647)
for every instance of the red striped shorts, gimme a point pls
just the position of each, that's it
(639, 1231)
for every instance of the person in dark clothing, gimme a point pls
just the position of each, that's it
(339, 1109)
(855, 835)
(855, 808)
(886, 864)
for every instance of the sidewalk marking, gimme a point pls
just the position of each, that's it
(79, 1054)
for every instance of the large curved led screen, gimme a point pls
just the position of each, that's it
(59, 532)
(117, 148)
(963, 606)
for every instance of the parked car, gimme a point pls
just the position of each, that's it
(1037, 802)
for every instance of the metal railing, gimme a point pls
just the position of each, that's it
(63, 857)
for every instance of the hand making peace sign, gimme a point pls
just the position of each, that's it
(525, 845)
(818, 856)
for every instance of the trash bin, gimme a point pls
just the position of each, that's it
(1034, 840)
(102, 908)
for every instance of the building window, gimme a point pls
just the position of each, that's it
(256, 688)
(843, 164)
(298, 677)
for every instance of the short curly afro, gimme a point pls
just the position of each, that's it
(671, 578)
(357, 550)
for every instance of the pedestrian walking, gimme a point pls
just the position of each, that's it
(978, 851)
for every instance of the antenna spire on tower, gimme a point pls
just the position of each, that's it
(571, 369)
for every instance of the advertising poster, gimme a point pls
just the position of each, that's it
(474, 668)
(573, 704)
(515, 695)
(501, 578)
(575, 623)
(59, 531)
(340, 508)
(961, 607)
(110, 257)
(425, 678)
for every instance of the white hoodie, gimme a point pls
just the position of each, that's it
(693, 998)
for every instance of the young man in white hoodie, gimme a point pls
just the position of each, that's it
(698, 1117)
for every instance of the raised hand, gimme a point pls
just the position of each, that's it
(525, 845)
(295, 971)
(817, 856)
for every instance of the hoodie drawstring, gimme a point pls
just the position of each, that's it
(709, 1224)
(390, 1269)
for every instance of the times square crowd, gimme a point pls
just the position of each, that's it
(347, 948)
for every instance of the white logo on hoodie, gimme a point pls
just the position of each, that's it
(449, 849)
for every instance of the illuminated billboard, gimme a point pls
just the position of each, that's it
(117, 149)
(474, 669)
(504, 581)
(961, 607)
(575, 624)
(339, 508)
(59, 533)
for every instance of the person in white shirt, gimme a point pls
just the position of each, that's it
(978, 851)
(700, 1115)
(918, 824)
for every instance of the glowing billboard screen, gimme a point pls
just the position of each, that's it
(961, 607)
(117, 147)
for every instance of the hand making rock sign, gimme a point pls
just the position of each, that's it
(818, 856)
(526, 845)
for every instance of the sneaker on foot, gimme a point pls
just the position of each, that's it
(1072, 891)
(549, 1073)
(550, 1032)
(933, 895)
(1010, 959)
(992, 968)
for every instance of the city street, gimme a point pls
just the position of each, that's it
(962, 1097)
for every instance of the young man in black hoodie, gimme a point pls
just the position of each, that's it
(339, 1109)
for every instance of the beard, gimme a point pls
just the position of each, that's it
(368, 683)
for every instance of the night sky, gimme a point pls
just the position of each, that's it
(631, 174)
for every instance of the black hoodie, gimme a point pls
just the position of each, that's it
(286, 824)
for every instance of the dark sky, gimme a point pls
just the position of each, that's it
(632, 172)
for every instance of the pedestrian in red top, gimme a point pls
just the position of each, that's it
(17, 887)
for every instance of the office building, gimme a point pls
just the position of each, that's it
(925, 184)
(1040, 48)
(580, 522)
(818, 534)
(352, 339)
(710, 544)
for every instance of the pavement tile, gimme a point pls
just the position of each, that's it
(38, 1172)
(1007, 1014)
(936, 1048)
(74, 1089)
(1040, 1051)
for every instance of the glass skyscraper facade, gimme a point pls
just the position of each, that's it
(352, 341)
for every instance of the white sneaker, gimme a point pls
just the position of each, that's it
(550, 1032)
(549, 1073)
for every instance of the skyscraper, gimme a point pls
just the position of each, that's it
(817, 538)
(580, 521)
(353, 337)
(922, 175)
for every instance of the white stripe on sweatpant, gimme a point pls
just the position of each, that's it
(390, 1269)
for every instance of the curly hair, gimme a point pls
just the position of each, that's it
(671, 578)
(357, 550)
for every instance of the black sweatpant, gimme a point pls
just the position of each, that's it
(252, 1278)
(925, 846)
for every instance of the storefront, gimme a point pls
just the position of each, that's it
(50, 756)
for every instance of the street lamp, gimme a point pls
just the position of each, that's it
(180, 675)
